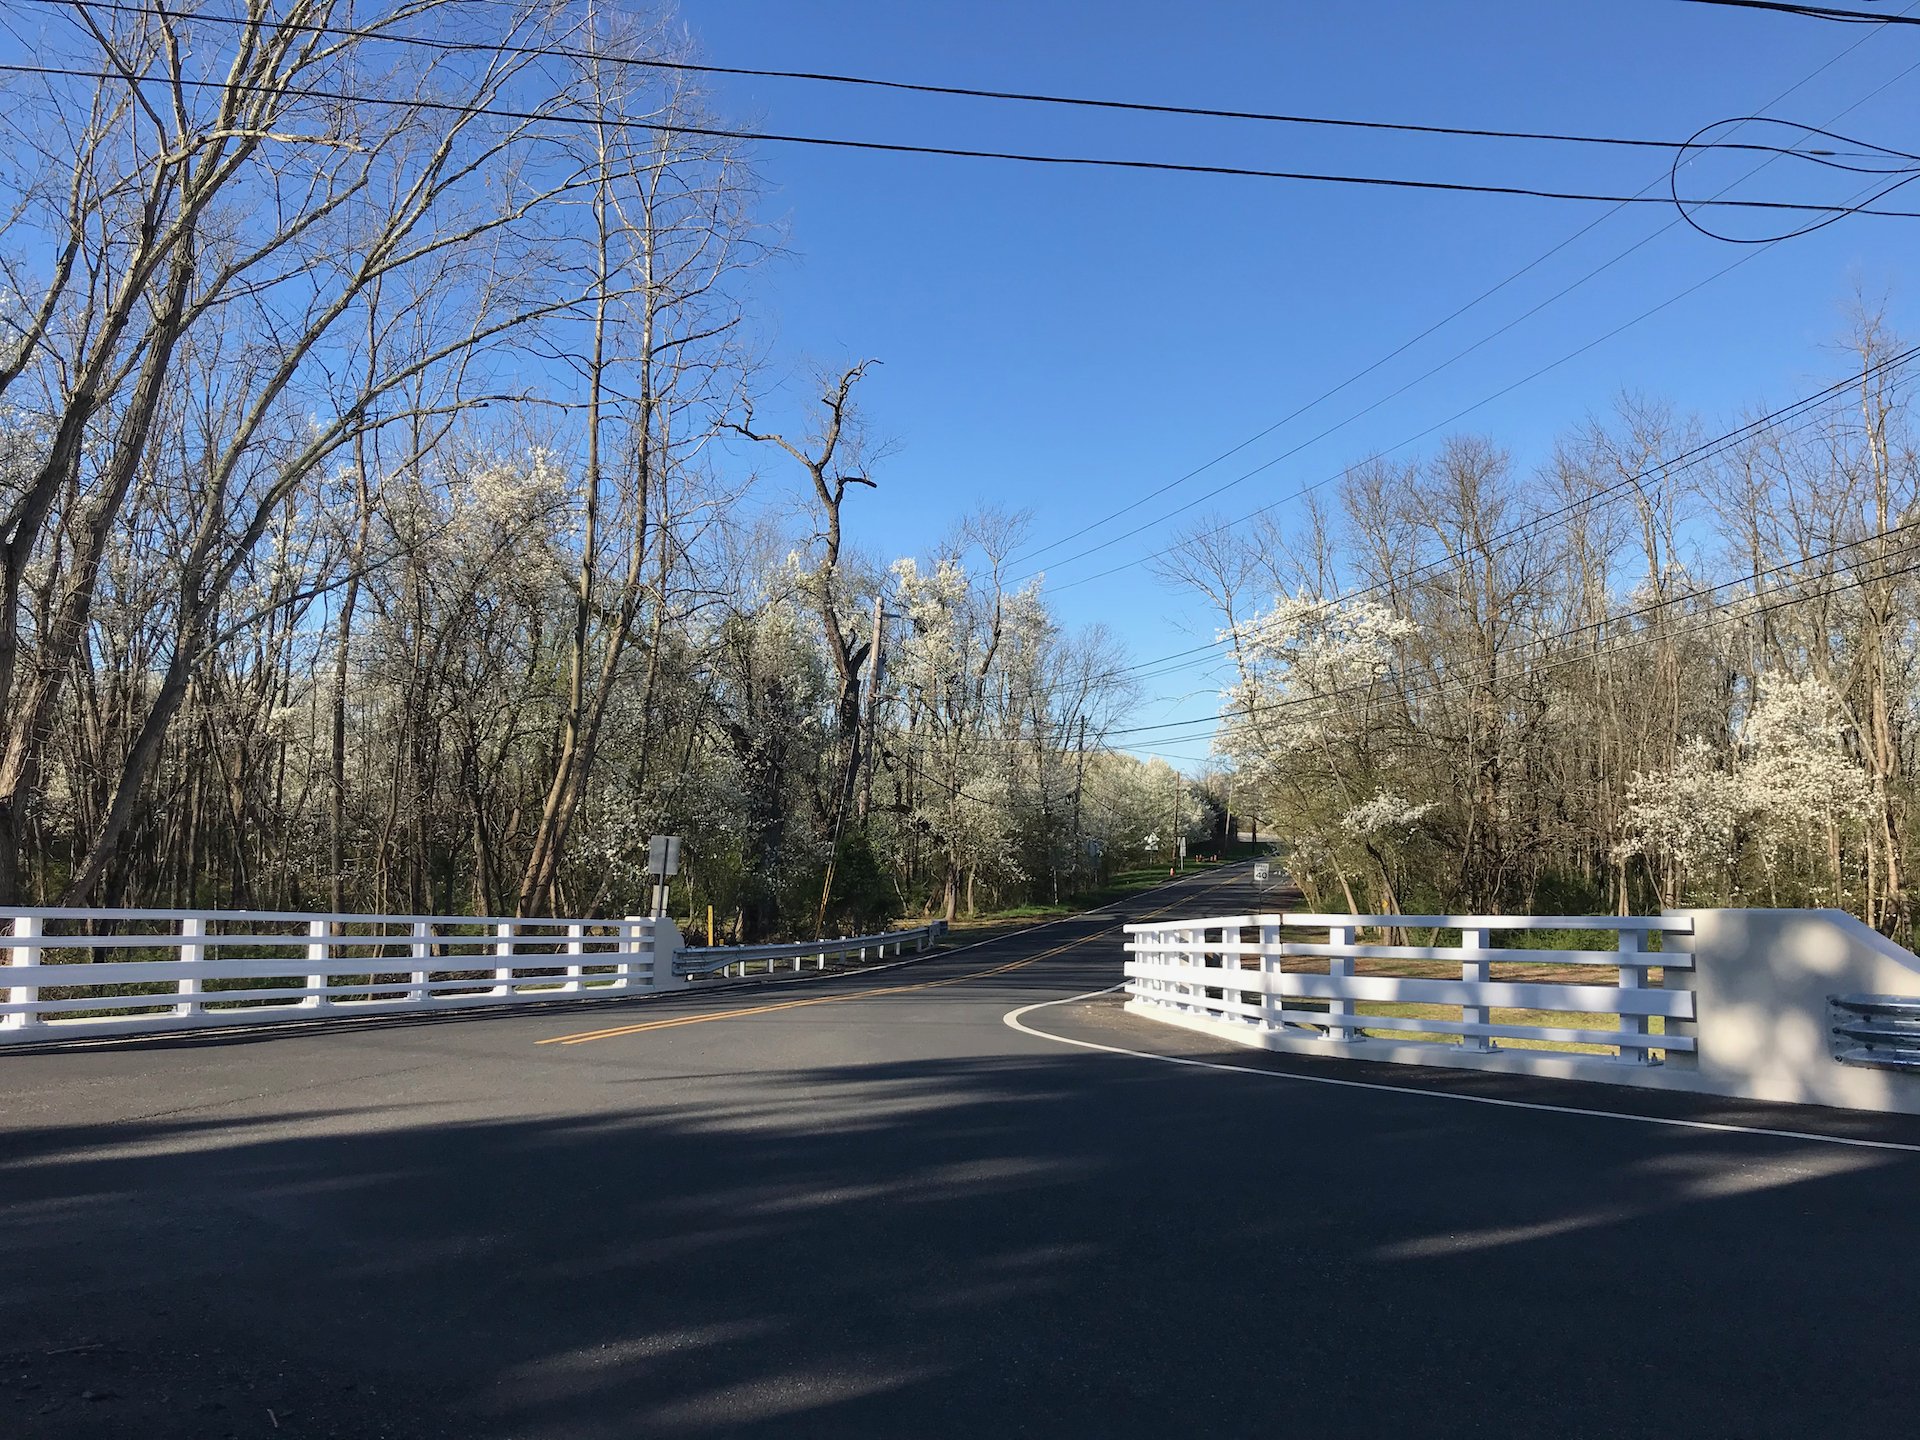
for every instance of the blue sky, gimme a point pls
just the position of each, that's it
(1063, 341)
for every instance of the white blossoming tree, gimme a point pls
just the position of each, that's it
(1308, 723)
(1791, 792)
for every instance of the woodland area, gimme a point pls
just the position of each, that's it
(363, 544)
(1672, 667)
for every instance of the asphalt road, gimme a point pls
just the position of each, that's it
(870, 1207)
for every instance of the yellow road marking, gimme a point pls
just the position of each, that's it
(613, 1032)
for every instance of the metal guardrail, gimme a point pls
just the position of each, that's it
(1876, 1030)
(707, 961)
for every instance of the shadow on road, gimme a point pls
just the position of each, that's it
(1051, 1246)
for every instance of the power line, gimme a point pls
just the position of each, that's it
(1829, 213)
(467, 110)
(1318, 400)
(1684, 460)
(1813, 12)
(1909, 171)
(1716, 614)
(1417, 436)
(1411, 439)
(1804, 411)
(381, 35)
(1672, 186)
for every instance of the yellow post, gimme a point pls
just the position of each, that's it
(709, 927)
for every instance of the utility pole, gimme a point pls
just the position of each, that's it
(1079, 777)
(1173, 832)
(1227, 846)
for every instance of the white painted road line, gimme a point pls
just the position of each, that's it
(1013, 1019)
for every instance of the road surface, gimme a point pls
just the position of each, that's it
(869, 1206)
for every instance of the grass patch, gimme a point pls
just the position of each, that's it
(992, 924)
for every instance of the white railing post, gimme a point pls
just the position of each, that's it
(422, 948)
(503, 958)
(1271, 964)
(1633, 976)
(25, 951)
(576, 947)
(1476, 972)
(1340, 1012)
(193, 949)
(628, 931)
(319, 956)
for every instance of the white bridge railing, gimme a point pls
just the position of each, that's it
(1235, 974)
(707, 960)
(77, 973)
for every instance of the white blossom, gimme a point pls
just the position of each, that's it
(1385, 813)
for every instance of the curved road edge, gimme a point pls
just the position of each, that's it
(1273, 1067)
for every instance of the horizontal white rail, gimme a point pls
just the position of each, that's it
(709, 960)
(1238, 974)
(77, 973)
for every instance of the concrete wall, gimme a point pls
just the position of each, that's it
(1762, 980)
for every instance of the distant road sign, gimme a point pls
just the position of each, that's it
(663, 855)
(1262, 872)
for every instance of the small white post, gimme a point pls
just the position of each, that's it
(422, 948)
(628, 941)
(193, 949)
(319, 956)
(25, 951)
(576, 947)
(1476, 972)
(503, 958)
(1340, 1012)
(1633, 976)
(1272, 963)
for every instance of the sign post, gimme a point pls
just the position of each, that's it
(663, 863)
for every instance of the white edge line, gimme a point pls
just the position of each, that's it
(1012, 1018)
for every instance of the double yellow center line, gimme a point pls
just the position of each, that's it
(615, 1031)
